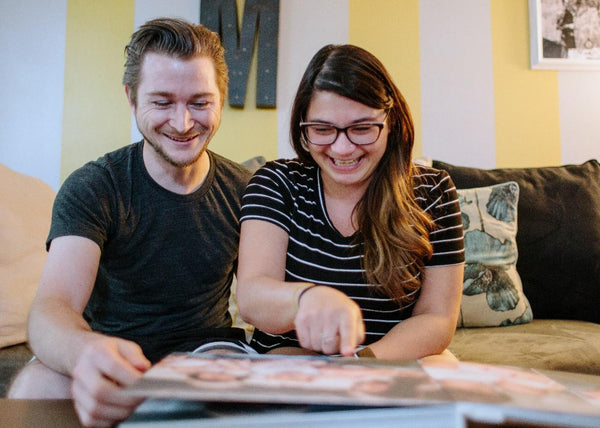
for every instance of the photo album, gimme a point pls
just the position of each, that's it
(236, 381)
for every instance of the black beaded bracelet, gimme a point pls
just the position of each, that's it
(304, 290)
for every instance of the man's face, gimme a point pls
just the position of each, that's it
(178, 107)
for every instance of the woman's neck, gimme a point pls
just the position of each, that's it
(340, 202)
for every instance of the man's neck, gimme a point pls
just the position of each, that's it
(180, 180)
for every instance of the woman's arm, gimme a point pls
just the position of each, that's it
(264, 299)
(325, 319)
(430, 329)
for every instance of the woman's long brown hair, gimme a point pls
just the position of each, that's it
(392, 228)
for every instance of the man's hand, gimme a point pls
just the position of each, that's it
(105, 367)
(328, 321)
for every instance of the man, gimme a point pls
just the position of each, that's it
(143, 242)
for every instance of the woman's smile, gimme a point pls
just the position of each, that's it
(346, 163)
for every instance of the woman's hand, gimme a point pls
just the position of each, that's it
(328, 321)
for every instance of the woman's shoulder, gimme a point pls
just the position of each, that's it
(428, 176)
(289, 169)
(433, 187)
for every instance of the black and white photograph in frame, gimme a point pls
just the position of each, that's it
(565, 34)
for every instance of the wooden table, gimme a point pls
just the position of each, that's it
(61, 414)
(37, 414)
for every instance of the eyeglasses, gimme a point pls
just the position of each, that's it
(324, 134)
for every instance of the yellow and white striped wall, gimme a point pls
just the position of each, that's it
(463, 66)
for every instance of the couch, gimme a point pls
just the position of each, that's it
(557, 262)
(547, 317)
(25, 209)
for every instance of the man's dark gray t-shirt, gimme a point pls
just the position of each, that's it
(167, 260)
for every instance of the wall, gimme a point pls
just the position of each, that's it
(31, 84)
(96, 111)
(463, 66)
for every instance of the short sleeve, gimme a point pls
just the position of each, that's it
(437, 195)
(268, 196)
(83, 205)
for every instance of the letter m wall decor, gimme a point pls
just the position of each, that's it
(260, 23)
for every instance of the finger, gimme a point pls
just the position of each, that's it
(86, 418)
(92, 378)
(98, 414)
(348, 342)
(92, 387)
(303, 333)
(329, 343)
(361, 334)
(133, 353)
(316, 336)
(104, 408)
(351, 334)
(124, 364)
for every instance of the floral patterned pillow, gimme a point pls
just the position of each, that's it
(492, 290)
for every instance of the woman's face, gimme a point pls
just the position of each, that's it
(344, 165)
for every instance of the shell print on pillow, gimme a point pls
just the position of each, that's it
(492, 290)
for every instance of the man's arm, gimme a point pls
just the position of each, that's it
(57, 330)
(61, 338)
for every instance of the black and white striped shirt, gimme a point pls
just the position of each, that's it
(289, 194)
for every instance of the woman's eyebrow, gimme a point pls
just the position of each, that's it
(356, 121)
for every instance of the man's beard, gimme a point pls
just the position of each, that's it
(178, 164)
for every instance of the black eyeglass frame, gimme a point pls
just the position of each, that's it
(304, 125)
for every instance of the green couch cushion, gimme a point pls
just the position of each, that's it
(566, 345)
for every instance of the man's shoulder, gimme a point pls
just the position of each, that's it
(108, 170)
(229, 169)
(114, 159)
(119, 158)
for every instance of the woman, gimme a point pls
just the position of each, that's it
(350, 243)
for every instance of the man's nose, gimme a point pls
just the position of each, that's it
(181, 119)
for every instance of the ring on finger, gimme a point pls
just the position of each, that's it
(327, 339)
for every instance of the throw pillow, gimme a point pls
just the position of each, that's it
(254, 163)
(559, 234)
(492, 290)
(25, 210)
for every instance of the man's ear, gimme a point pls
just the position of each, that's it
(128, 93)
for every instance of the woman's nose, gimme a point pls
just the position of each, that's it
(342, 143)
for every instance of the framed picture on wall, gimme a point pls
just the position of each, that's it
(564, 34)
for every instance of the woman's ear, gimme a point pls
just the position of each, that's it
(304, 144)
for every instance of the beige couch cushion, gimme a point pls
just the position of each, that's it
(25, 209)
